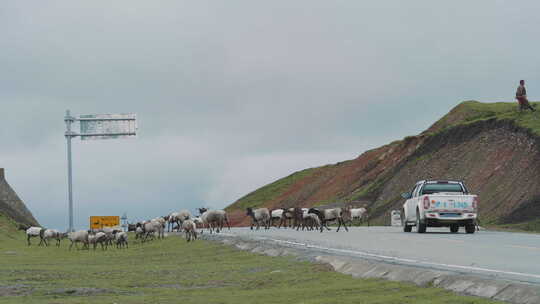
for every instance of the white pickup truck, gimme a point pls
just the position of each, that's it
(439, 203)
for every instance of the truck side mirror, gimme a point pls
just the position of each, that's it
(406, 195)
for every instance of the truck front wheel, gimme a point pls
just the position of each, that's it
(470, 228)
(454, 228)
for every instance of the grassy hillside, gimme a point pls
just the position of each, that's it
(489, 145)
(8, 229)
(271, 191)
(473, 111)
(173, 271)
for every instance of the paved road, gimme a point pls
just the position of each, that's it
(505, 255)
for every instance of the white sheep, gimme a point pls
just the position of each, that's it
(109, 233)
(139, 233)
(328, 215)
(310, 220)
(121, 239)
(155, 226)
(184, 215)
(34, 232)
(80, 236)
(190, 230)
(172, 219)
(357, 214)
(161, 229)
(277, 214)
(214, 218)
(98, 238)
(259, 216)
(53, 234)
(198, 221)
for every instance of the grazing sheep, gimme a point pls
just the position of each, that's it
(190, 230)
(132, 227)
(80, 236)
(34, 232)
(222, 219)
(327, 215)
(98, 238)
(198, 221)
(214, 219)
(310, 220)
(155, 226)
(259, 216)
(314, 221)
(53, 234)
(161, 230)
(109, 233)
(139, 233)
(298, 218)
(172, 219)
(202, 211)
(184, 215)
(288, 215)
(357, 214)
(335, 214)
(121, 239)
(276, 214)
(202, 216)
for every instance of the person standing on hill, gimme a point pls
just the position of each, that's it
(521, 96)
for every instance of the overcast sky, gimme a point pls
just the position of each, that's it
(231, 95)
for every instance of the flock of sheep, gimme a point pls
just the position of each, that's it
(305, 218)
(107, 236)
(213, 220)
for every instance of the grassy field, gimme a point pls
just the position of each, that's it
(173, 271)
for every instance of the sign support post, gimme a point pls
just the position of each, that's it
(100, 126)
(69, 134)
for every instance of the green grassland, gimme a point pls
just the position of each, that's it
(174, 271)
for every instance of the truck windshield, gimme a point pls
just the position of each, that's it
(436, 188)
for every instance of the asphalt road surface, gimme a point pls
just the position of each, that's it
(502, 255)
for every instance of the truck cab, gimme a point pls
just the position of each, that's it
(439, 203)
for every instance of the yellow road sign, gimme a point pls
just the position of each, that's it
(97, 222)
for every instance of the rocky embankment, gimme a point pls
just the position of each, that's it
(12, 206)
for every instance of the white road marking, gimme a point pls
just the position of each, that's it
(403, 260)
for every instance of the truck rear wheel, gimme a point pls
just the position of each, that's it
(406, 228)
(454, 228)
(420, 227)
(470, 228)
